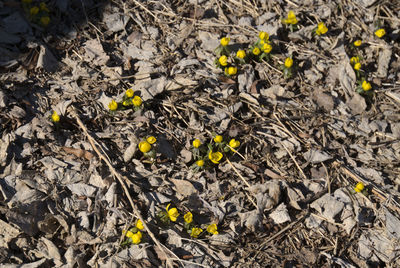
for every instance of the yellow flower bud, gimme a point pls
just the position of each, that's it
(218, 139)
(144, 146)
(321, 29)
(291, 18)
(113, 105)
(263, 36)
(196, 143)
(55, 117)
(354, 60)
(366, 85)
(136, 238)
(34, 10)
(43, 7)
(288, 62)
(137, 101)
(151, 139)
(380, 33)
(256, 51)
(359, 187)
(45, 21)
(129, 93)
(267, 48)
(231, 70)
(188, 217)
(200, 162)
(357, 43)
(234, 144)
(139, 225)
(196, 232)
(225, 41)
(223, 60)
(212, 229)
(241, 54)
(357, 66)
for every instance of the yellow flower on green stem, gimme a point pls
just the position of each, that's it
(223, 60)
(241, 54)
(215, 157)
(144, 146)
(188, 217)
(129, 93)
(380, 33)
(137, 101)
(139, 225)
(267, 48)
(151, 139)
(218, 139)
(212, 229)
(34, 10)
(357, 66)
(357, 43)
(321, 29)
(288, 62)
(256, 51)
(234, 144)
(230, 70)
(136, 238)
(366, 85)
(291, 18)
(55, 117)
(113, 105)
(196, 232)
(225, 41)
(196, 143)
(359, 187)
(172, 213)
(263, 36)
(354, 60)
(200, 162)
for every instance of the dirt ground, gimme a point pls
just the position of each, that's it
(279, 164)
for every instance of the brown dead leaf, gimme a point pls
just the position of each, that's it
(78, 152)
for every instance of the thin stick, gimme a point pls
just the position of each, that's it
(121, 181)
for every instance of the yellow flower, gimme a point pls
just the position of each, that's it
(136, 238)
(172, 213)
(151, 139)
(225, 41)
(357, 66)
(380, 33)
(223, 60)
(45, 20)
(218, 139)
(215, 157)
(291, 18)
(43, 7)
(128, 234)
(196, 232)
(357, 43)
(267, 48)
(322, 29)
(196, 143)
(241, 54)
(231, 70)
(200, 162)
(55, 117)
(144, 146)
(188, 217)
(113, 105)
(34, 10)
(288, 62)
(212, 229)
(137, 101)
(234, 144)
(263, 36)
(366, 85)
(354, 60)
(359, 187)
(139, 225)
(256, 51)
(129, 93)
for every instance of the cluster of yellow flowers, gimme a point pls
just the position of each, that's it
(292, 23)
(213, 152)
(129, 100)
(134, 235)
(37, 13)
(146, 147)
(172, 214)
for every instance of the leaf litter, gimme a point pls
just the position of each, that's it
(69, 191)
